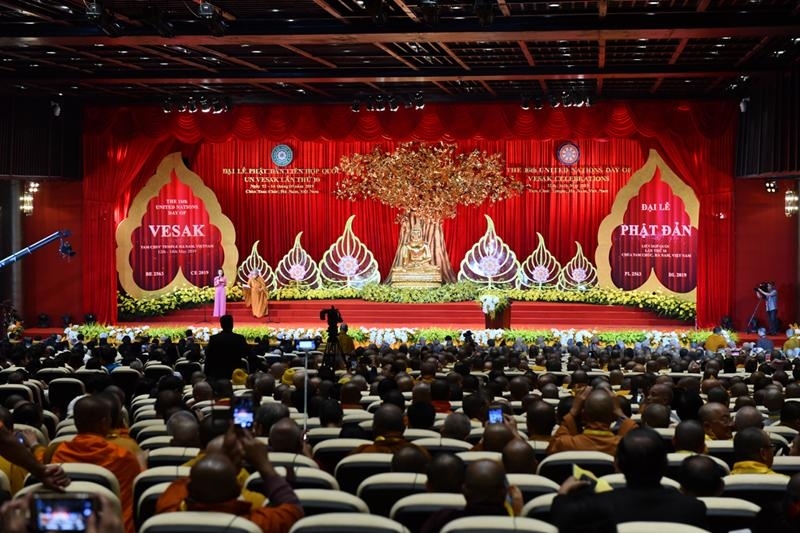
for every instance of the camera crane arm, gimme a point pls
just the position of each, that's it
(28, 250)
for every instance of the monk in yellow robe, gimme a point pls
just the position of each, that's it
(259, 294)
(93, 420)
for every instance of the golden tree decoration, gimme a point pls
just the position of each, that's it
(426, 183)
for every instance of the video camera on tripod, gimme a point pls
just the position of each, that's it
(332, 347)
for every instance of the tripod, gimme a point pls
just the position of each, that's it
(752, 324)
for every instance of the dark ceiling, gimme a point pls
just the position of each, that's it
(295, 51)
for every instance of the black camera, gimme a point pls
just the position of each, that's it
(762, 287)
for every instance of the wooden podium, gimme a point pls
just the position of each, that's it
(501, 320)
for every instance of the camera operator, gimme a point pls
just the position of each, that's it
(768, 291)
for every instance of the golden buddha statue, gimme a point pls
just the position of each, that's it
(416, 268)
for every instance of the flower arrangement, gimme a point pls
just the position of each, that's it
(15, 330)
(492, 303)
(662, 304)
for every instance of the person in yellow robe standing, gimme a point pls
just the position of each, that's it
(259, 294)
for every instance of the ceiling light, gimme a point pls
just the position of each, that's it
(419, 101)
(743, 104)
(790, 203)
(394, 104)
(355, 107)
(93, 10)
(771, 186)
(206, 10)
(525, 102)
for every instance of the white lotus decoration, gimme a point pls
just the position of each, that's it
(540, 270)
(252, 262)
(348, 262)
(297, 268)
(578, 274)
(490, 261)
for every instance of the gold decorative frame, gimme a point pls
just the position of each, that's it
(173, 161)
(616, 217)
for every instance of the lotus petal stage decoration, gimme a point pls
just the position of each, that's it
(540, 270)
(578, 274)
(490, 261)
(254, 261)
(297, 268)
(348, 262)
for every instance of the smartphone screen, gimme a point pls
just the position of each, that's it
(62, 512)
(243, 411)
(495, 415)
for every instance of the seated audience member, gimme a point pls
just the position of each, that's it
(701, 476)
(790, 415)
(410, 459)
(656, 415)
(266, 415)
(716, 420)
(642, 458)
(748, 417)
(440, 396)
(350, 396)
(16, 473)
(330, 414)
(689, 437)
(119, 433)
(486, 491)
(456, 426)
(212, 485)
(93, 421)
(445, 473)
(286, 436)
(519, 457)
(184, 429)
(540, 421)
(753, 452)
(597, 409)
(495, 437)
(387, 429)
(421, 415)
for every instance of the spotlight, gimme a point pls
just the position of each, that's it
(355, 107)
(771, 186)
(567, 100)
(191, 105)
(484, 10)
(790, 203)
(380, 104)
(55, 107)
(205, 105)
(370, 105)
(219, 105)
(394, 104)
(166, 105)
(89, 318)
(525, 102)
(65, 249)
(554, 102)
(419, 101)
(743, 103)
(430, 11)
(537, 103)
(407, 104)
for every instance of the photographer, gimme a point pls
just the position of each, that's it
(769, 293)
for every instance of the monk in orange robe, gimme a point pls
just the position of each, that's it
(93, 421)
(259, 294)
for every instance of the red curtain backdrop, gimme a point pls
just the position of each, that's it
(124, 146)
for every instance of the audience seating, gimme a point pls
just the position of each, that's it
(146, 413)
(380, 491)
(470, 457)
(67, 429)
(146, 504)
(649, 527)
(198, 522)
(532, 485)
(558, 466)
(171, 456)
(155, 443)
(412, 511)
(760, 489)
(40, 436)
(5, 483)
(443, 445)
(156, 372)
(539, 507)
(292, 460)
(784, 431)
(475, 435)
(304, 478)
(416, 434)
(153, 430)
(788, 465)
(16, 389)
(127, 379)
(354, 469)
(86, 472)
(539, 448)
(319, 501)
(346, 523)
(154, 476)
(136, 427)
(51, 373)
(187, 368)
(618, 481)
(674, 461)
(721, 449)
(729, 514)
(317, 435)
(329, 452)
(492, 524)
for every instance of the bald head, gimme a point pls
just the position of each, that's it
(410, 459)
(484, 483)
(689, 436)
(285, 436)
(748, 417)
(716, 419)
(93, 415)
(213, 480)
(599, 407)
(753, 444)
(519, 457)
(202, 391)
(495, 437)
(388, 419)
(184, 429)
(456, 426)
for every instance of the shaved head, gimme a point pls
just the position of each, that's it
(484, 483)
(599, 407)
(213, 480)
(286, 436)
(93, 415)
(184, 429)
(495, 437)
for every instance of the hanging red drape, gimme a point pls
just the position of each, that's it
(124, 146)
